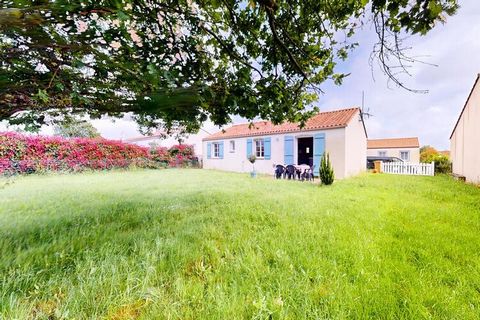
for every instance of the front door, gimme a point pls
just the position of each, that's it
(305, 151)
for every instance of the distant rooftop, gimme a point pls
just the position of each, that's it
(393, 143)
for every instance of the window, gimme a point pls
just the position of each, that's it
(382, 153)
(405, 155)
(216, 150)
(232, 145)
(259, 148)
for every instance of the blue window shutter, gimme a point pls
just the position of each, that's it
(288, 152)
(249, 147)
(318, 150)
(220, 150)
(267, 144)
(209, 150)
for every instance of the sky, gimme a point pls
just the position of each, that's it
(454, 47)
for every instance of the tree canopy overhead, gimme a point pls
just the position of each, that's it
(183, 61)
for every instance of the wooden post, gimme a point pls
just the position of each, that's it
(378, 166)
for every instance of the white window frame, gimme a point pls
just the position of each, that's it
(232, 146)
(408, 155)
(215, 150)
(259, 148)
(382, 153)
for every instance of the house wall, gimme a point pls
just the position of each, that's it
(238, 162)
(465, 141)
(395, 152)
(355, 147)
(194, 139)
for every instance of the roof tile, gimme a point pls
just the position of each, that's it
(322, 120)
(393, 143)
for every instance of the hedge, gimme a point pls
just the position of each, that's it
(27, 154)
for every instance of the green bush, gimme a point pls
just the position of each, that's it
(326, 171)
(442, 164)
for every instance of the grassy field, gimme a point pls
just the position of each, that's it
(193, 244)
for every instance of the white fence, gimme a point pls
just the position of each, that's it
(418, 169)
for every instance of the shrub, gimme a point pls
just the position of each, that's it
(181, 155)
(426, 153)
(442, 162)
(28, 154)
(160, 154)
(326, 171)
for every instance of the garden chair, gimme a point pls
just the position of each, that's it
(290, 171)
(311, 174)
(279, 171)
(298, 173)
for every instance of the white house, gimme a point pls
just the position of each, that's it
(465, 138)
(341, 133)
(407, 149)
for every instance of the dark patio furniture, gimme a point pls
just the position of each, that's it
(298, 173)
(279, 171)
(290, 171)
(312, 173)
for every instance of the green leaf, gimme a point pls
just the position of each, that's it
(42, 95)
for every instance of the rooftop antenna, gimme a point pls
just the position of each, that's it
(363, 112)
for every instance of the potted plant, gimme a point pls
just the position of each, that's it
(252, 159)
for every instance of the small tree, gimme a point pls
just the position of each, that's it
(73, 128)
(326, 171)
(442, 162)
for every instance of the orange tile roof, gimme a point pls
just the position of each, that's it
(393, 143)
(322, 120)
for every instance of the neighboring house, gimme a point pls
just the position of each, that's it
(159, 138)
(465, 138)
(407, 149)
(341, 133)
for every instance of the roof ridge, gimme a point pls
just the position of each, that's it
(465, 105)
(318, 113)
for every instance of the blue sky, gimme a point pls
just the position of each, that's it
(454, 47)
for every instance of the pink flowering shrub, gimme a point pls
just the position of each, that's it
(181, 155)
(24, 153)
(160, 155)
(27, 154)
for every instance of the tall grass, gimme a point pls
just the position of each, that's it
(197, 244)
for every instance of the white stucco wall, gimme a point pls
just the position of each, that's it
(355, 147)
(465, 141)
(238, 162)
(346, 147)
(395, 152)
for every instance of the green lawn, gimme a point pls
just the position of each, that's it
(197, 244)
